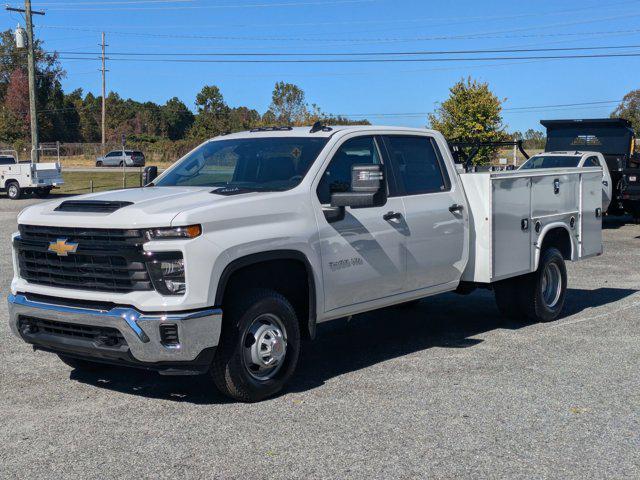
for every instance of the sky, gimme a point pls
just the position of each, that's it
(159, 49)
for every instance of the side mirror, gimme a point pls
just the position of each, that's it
(149, 174)
(368, 188)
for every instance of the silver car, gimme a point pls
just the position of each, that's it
(119, 158)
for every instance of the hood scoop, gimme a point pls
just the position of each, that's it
(94, 206)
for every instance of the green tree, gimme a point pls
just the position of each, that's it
(89, 112)
(178, 118)
(472, 113)
(288, 104)
(534, 139)
(629, 109)
(212, 116)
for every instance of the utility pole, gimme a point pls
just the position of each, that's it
(104, 93)
(31, 66)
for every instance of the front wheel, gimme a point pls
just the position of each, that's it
(259, 347)
(98, 163)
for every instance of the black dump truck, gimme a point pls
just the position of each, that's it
(615, 139)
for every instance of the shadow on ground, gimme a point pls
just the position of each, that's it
(446, 321)
(615, 222)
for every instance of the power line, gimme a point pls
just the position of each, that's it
(351, 22)
(308, 3)
(493, 34)
(367, 60)
(349, 54)
(597, 103)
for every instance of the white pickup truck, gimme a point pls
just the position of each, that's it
(228, 260)
(18, 177)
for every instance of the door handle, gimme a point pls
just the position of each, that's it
(605, 183)
(456, 208)
(392, 216)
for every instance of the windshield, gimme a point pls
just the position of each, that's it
(550, 161)
(276, 163)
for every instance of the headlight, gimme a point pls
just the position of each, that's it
(168, 276)
(173, 233)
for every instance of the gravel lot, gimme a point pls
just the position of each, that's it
(440, 390)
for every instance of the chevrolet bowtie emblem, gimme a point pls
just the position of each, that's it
(63, 247)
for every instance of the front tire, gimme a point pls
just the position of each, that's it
(98, 163)
(543, 292)
(259, 347)
(13, 190)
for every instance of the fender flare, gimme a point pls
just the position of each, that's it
(260, 257)
(541, 238)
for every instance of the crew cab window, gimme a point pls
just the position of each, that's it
(246, 164)
(592, 162)
(337, 176)
(7, 161)
(418, 164)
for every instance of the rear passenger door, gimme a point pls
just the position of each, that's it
(437, 237)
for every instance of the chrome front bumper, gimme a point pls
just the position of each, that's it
(197, 330)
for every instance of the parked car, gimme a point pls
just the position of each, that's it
(25, 177)
(119, 158)
(229, 259)
(575, 159)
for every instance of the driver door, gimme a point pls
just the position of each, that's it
(363, 254)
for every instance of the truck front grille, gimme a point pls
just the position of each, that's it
(105, 260)
(94, 236)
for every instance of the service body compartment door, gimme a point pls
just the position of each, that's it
(554, 195)
(591, 214)
(511, 249)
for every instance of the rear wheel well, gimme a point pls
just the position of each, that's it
(290, 277)
(558, 238)
(10, 181)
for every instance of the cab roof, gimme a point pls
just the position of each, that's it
(324, 133)
(571, 153)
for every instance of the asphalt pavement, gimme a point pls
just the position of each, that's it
(441, 390)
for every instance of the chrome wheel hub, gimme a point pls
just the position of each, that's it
(551, 285)
(264, 347)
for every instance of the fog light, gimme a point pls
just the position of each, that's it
(168, 276)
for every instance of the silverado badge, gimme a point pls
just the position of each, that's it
(63, 247)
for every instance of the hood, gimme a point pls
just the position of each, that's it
(143, 207)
